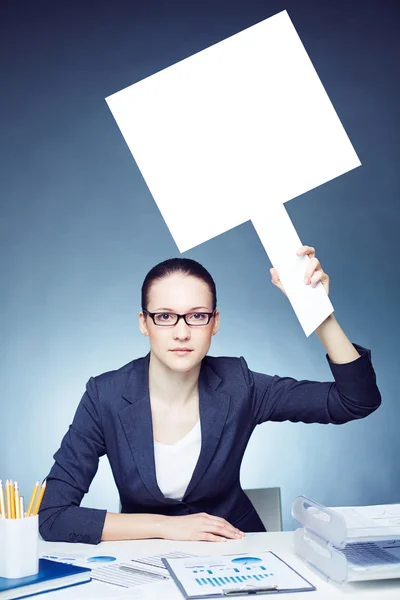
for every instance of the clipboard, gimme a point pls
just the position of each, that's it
(235, 575)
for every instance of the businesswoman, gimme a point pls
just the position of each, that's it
(175, 423)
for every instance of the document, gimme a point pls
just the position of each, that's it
(230, 575)
(371, 520)
(364, 555)
(123, 571)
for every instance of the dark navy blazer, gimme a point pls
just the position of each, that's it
(114, 418)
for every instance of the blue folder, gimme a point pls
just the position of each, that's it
(51, 576)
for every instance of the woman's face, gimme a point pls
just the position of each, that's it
(180, 294)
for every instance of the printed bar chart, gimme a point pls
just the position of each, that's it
(222, 581)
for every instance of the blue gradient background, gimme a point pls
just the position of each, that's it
(79, 231)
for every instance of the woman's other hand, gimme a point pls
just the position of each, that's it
(314, 272)
(199, 527)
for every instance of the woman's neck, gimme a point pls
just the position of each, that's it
(172, 387)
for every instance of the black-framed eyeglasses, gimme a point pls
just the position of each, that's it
(168, 319)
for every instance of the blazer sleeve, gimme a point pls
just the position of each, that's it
(61, 519)
(353, 395)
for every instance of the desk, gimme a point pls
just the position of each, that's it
(280, 543)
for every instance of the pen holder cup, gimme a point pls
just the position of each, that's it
(19, 547)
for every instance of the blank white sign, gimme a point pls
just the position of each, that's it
(230, 134)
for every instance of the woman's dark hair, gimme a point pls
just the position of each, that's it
(186, 266)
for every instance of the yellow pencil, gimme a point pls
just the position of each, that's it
(39, 500)
(12, 500)
(16, 498)
(21, 507)
(8, 499)
(31, 501)
(2, 508)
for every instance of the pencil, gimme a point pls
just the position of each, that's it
(16, 496)
(12, 500)
(39, 500)
(35, 489)
(21, 507)
(2, 509)
(8, 499)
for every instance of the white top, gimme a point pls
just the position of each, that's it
(175, 463)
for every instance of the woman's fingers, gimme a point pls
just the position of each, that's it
(314, 273)
(220, 527)
(316, 278)
(210, 537)
(201, 526)
(309, 250)
(227, 531)
(313, 266)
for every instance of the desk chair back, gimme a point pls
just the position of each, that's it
(267, 502)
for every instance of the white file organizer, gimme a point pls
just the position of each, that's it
(341, 549)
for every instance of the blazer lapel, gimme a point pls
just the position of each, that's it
(214, 408)
(137, 424)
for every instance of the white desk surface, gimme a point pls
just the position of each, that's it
(280, 543)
